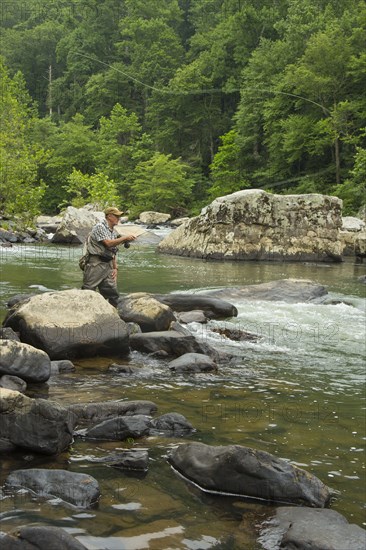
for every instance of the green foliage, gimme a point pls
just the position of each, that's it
(97, 189)
(353, 190)
(162, 183)
(19, 193)
(226, 170)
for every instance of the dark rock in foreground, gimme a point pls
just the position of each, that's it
(247, 472)
(172, 342)
(39, 537)
(80, 490)
(36, 424)
(306, 529)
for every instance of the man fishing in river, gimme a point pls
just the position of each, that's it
(101, 266)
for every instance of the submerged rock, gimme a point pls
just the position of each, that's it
(291, 291)
(119, 428)
(248, 472)
(93, 413)
(39, 537)
(319, 529)
(132, 459)
(70, 323)
(255, 225)
(80, 490)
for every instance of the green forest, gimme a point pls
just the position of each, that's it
(167, 104)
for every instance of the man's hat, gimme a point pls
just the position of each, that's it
(113, 210)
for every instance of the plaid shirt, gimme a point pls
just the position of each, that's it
(100, 232)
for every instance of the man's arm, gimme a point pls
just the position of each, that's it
(109, 243)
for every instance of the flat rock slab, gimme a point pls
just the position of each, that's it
(70, 323)
(247, 472)
(291, 291)
(39, 538)
(80, 490)
(132, 459)
(308, 529)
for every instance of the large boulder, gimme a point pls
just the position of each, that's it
(247, 472)
(78, 489)
(25, 361)
(142, 308)
(36, 424)
(39, 537)
(70, 323)
(75, 225)
(255, 225)
(214, 308)
(311, 529)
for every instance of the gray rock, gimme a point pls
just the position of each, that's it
(13, 383)
(146, 311)
(36, 424)
(362, 279)
(171, 424)
(194, 316)
(151, 217)
(62, 366)
(80, 490)
(132, 459)
(17, 299)
(124, 369)
(71, 323)
(310, 529)
(171, 342)
(255, 225)
(285, 290)
(119, 428)
(93, 413)
(39, 537)
(25, 361)
(214, 308)
(8, 334)
(75, 225)
(247, 472)
(193, 362)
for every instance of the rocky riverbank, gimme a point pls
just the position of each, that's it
(43, 333)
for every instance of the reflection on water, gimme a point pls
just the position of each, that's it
(297, 392)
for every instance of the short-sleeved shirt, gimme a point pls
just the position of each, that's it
(99, 233)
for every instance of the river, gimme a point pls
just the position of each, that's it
(298, 393)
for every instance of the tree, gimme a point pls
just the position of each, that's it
(20, 192)
(162, 183)
(96, 189)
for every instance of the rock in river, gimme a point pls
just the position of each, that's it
(81, 490)
(36, 424)
(255, 225)
(70, 323)
(248, 472)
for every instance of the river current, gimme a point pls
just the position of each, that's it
(297, 392)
